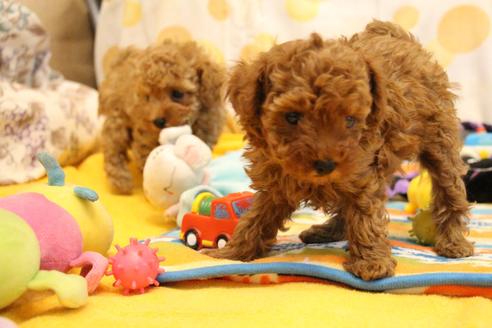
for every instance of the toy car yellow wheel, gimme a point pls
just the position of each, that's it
(192, 239)
(222, 241)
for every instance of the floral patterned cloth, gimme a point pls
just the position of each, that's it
(39, 110)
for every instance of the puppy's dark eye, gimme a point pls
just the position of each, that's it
(160, 122)
(147, 97)
(177, 95)
(293, 117)
(350, 121)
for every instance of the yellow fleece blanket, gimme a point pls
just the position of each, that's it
(219, 303)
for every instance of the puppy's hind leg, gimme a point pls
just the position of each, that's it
(440, 156)
(332, 230)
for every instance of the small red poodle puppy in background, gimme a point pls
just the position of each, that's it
(164, 85)
(328, 123)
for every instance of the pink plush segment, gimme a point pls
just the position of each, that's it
(58, 233)
(94, 266)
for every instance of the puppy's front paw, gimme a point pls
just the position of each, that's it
(371, 269)
(453, 248)
(230, 253)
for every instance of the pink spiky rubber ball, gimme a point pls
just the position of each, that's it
(135, 266)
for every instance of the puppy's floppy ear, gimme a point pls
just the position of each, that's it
(212, 79)
(377, 85)
(109, 98)
(211, 89)
(248, 88)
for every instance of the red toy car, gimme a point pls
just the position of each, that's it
(213, 220)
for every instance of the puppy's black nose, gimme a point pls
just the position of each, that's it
(160, 122)
(324, 167)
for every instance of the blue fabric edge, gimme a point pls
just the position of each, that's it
(311, 270)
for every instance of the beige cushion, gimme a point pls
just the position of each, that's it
(72, 41)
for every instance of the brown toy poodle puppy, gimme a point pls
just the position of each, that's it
(168, 84)
(328, 123)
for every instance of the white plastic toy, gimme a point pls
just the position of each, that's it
(178, 164)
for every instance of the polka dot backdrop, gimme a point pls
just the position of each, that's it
(458, 33)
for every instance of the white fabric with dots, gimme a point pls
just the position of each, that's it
(457, 32)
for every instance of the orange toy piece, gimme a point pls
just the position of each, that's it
(213, 220)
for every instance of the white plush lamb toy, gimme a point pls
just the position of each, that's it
(175, 166)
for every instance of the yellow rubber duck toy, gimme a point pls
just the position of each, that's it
(419, 200)
(419, 193)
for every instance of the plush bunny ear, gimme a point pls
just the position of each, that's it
(171, 134)
(193, 151)
(248, 87)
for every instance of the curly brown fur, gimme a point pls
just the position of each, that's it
(176, 82)
(362, 106)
